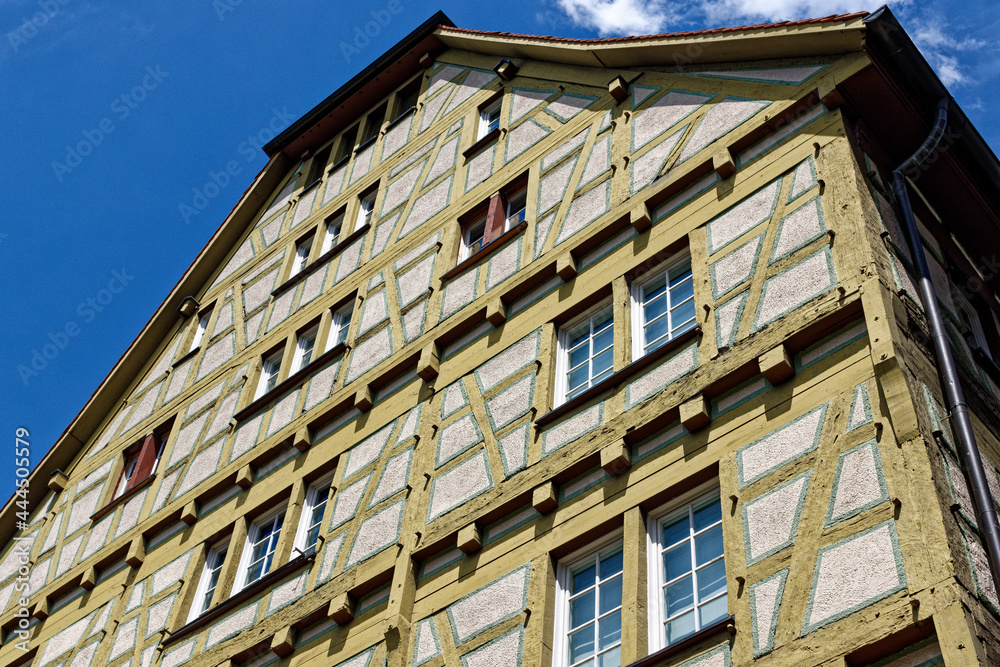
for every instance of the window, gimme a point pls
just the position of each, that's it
(209, 580)
(140, 462)
(312, 515)
(302, 249)
(268, 374)
(339, 326)
(687, 571)
(333, 226)
(128, 473)
(975, 335)
(262, 540)
(663, 307)
(373, 124)
(472, 238)
(515, 208)
(346, 144)
(304, 347)
(586, 353)
(406, 99)
(366, 206)
(199, 332)
(589, 611)
(318, 164)
(489, 118)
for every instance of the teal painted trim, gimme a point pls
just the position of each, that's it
(539, 245)
(162, 538)
(675, 138)
(360, 244)
(764, 387)
(744, 482)
(803, 299)
(683, 198)
(338, 497)
(546, 449)
(800, 503)
(669, 437)
(421, 625)
(390, 427)
(804, 242)
(542, 101)
(459, 637)
(796, 82)
(231, 633)
(481, 331)
(565, 119)
(936, 660)
(937, 420)
(527, 515)
(469, 184)
(460, 386)
(418, 167)
(274, 280)
(409, 130)
(764, 645)
(701, 659)
(553, 284)
(408, 453)
(718, 294)
(831, 519)
(278, 462)
(980, 590)
(900, 571)
(731, 338)
(704, 97)
(599, 477)
(427, 246)
(299, 582)
(219, 501)
(403, 231)
(570, 163)
(392, 350)
(814, 181)
(309, 385)
(507, 157)
(508, 469)
(399, 527)
(367, 654)
(382, 294)
(459, 306)
(457, 503)
(70, 598)
(862, 391)
(631, 401)
(517, 264)
(537, 333)
(653, 90)
(606, 184)
(621, 239)
(782, 135)
(454, 160)
(403, 436)
(862, 333)
(438, 461)
(605, 122)
(273, 408)
(731, 125)
(426, 572)
(519, 631)
(496, 425)
(191, 643)
(337, 543)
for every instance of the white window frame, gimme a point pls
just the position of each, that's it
(340, 321)
(564, 570)
(271, 366)
(521, 212)
(332, 232)
(562, 358)
(199, 332)
(317, 494)
(129, 468)
(268, 520)
(213, 563)
(302, 249)
(484, 117)
(638, 313)
(466, 250)
(366, 209)
(305, 342)
(654, 565)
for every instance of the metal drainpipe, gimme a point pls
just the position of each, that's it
(986, 516)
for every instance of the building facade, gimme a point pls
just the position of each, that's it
(532, 351)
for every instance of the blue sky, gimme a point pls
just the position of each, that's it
(166, 94)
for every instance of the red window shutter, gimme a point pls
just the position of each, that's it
(147, 459)
(496, 219)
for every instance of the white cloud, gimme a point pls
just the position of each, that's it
(949, 53)
(618, 17)
(740, 11)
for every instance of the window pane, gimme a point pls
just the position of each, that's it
(681, 287)
(679, 596)
(578, 378)
(603, 362)
(707, 515)
(579, 354)
(712, 580)
(683, 314)
(581, 610)
(611, 595)
(708, 545)
(655, 287)
(676, 562)
(584, 578)
(654, 307)
(660, 329)
(581, 644)
(712, 611)
(603, 317)
(612, 658)
(611, 564)
(604, 338)
(610, 629)
(578, 334)
(680, 627)
(253, 573)
(676, 531)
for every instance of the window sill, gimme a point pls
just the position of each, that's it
(485, 251)
(320, 261)
(616, 378)
(488, 138)
(187, 356)
(400, 118)
(107, 509)
(242, 596)
(310, 186)
(684, 644)
(338, 164)
(365, 144)
(292, 380)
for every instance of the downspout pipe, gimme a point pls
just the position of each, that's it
(986, 516)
